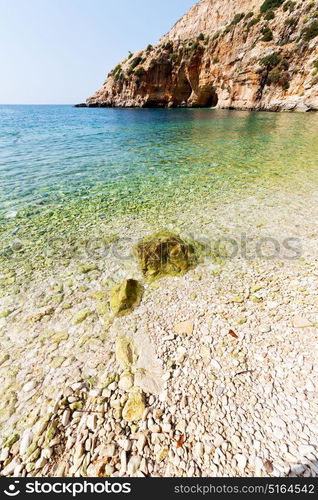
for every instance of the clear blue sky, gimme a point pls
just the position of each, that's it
(59, 51)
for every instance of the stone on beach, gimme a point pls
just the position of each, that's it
(125, 297)
(165, 254)
(301, 322)
(124, 351)
(184, 328)
(134, 407)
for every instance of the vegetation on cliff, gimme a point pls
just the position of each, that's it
(223, 65)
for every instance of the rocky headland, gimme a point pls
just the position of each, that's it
(259, 55)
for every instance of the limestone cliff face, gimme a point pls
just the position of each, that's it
(242, 54)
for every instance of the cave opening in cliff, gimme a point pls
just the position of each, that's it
(212, 100)
(207, 99)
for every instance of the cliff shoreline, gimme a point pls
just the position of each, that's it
(259, 55)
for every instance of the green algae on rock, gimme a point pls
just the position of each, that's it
(11, 440)
(125, 297)
(81, 316)
(166, 254)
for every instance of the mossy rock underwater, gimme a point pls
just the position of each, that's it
(166, 254)
(125, 297)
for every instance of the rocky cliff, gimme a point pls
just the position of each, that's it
(242, 54)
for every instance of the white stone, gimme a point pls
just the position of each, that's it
(166, 427)
(133, 464)
(306, 449)
(47, 453)
(29, 386)
(40, 463)
(301, 322)
(123, 462)
(310, 386)
(277, 421)
(141, 443)
(112, 386)
(66, 417)
(4, 454)
(92, 422)
(278, 433)
(241, 462)
(126, 382)
(198, 450)
(181, 354)
(9, 469)
(25, 442)
(125, 444)
(94, 393)
(181, 426)
(215, 364)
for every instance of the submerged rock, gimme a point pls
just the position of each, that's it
(125, 297)
(134, 407)
(165, 254)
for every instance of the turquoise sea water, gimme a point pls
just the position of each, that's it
(62, 168)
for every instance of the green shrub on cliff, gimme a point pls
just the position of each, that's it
(267, 34)
(278, 77)
(270, 5)
(168, 46)
(253, 22)
(140, 71)
(174, 57)
(277, 70)
(274, 76)
(310, 6)
(270, 14)
(310, 31)
(117, 69)
(289, 5)
(134, 63)
(153, 63)
(291, 21)
(237, 18)
(194, 46)
(118, 77)
(271, 60)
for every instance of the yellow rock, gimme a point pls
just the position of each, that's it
(162, 454)
(124, 351)
(125, 297)
(134, 407)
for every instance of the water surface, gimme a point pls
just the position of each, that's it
(65, 170)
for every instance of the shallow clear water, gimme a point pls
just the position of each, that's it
(61, 166)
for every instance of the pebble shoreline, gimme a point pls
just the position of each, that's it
(207, 402)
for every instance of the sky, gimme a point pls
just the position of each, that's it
(60, 51)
